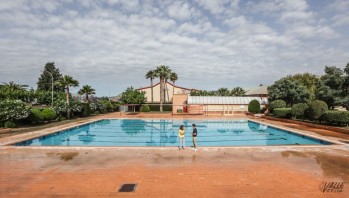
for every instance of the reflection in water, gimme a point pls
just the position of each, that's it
(331, 165)
(133, 127)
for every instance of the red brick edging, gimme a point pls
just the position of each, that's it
(318, 126)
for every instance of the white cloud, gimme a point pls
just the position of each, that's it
(179, 10)
(111, 46)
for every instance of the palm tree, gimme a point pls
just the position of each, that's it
(173, 78)
(152, 75)
(86, 90)
(163, 73)
(238, 91)
(13, 86)
(223, 92)
(66, 82)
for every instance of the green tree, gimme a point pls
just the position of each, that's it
(45, 80)
(163, 72)
(223, 92)
(291, 92)
(308, 80)
(346, 80)
(326, 94)
(133, 96)
(333, 77)
(173, 78)
(151, 75)
(237, 91)
(87, 90)
(11, 86)
(67, 82)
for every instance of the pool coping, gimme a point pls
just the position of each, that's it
(43, 132)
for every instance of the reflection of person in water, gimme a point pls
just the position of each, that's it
(181, 135)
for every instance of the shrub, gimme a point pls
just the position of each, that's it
(40, 115)
(11, 110)
(35, 116)
(254, 106)
(276, 104)
(9, 124)
(298, 110)
(86, 109)
(336, 117)
(283, 112)
(48, 114)
(316, 109)
(145, 108)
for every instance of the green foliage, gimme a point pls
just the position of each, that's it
(282, 112)
(45, 80)
(109, 106)
(87, 91)
(326, 94)
(39, 115)
(339, 118)
(86, 109)
(11, 110)
(23, 95)
(145, 108)
(276, 104)
(97, 107)
(308, 80)
(237, 91)
(132, 96)
(298, 110)
(291, 92)
(44, 97)
(9, 124)
(61, 107)
(316, 109)
(254, 106)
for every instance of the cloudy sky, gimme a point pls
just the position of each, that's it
(111, 44)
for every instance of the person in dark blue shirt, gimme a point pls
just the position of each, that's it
(194, 135)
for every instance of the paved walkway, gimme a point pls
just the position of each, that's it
(288, 171)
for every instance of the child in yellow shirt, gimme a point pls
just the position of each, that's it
(181, 137)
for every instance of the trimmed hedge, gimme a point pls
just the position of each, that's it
(145, 108)
(276, 104)
(339, 118)
(282, 112)
(316, 109)
(298, 110)
(40, 115)
(254, 106)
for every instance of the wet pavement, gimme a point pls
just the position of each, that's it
(273, 171)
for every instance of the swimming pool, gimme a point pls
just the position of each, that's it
(163, 133)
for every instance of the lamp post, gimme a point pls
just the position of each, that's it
(51, 86)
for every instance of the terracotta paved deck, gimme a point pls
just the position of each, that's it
(167, 172)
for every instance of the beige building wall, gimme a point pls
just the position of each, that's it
(169, 92)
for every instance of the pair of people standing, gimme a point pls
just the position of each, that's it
(181, 136)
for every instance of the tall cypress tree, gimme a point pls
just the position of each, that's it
(44, 82)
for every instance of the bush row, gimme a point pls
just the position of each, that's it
(316, 111)
(336, 117)
(282, 112)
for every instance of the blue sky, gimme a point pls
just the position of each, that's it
(111, 44)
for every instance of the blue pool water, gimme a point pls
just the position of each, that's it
(137, 132)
